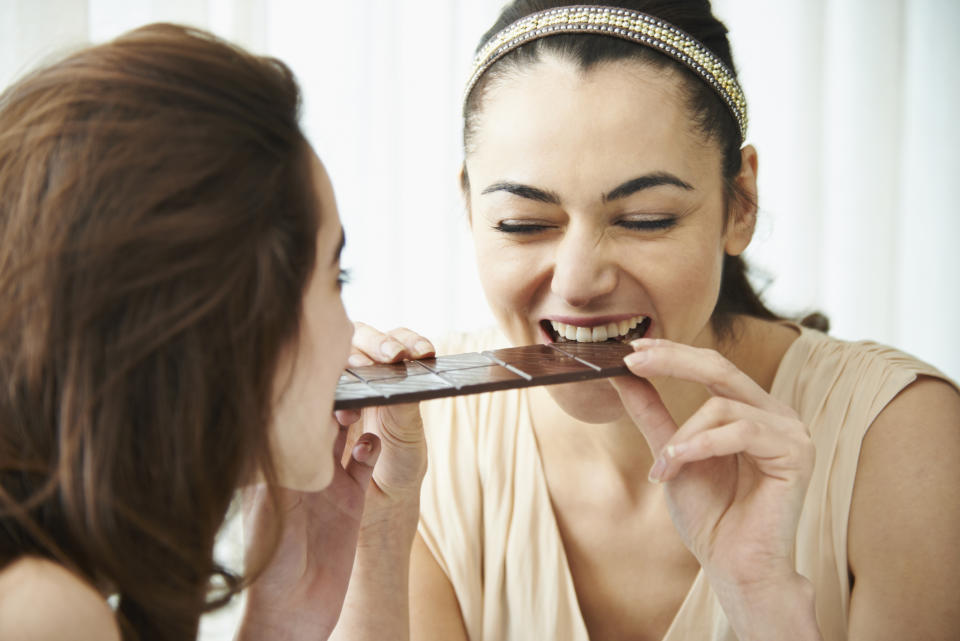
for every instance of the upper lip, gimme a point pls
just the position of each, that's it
(592, 320)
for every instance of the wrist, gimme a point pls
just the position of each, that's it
(781, 607)
(281, 624)
(396, 520)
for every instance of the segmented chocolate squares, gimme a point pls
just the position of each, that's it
(471, 373)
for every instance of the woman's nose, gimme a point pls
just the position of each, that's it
(582, 270)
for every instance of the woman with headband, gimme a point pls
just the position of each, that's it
(802, 487)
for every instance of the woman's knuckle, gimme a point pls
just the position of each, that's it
(708, 442)
(749, 428)
(716, 407)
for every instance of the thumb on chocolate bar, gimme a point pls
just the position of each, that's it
(363, 457)
(644, 406)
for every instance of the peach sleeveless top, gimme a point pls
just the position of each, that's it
(487, 518)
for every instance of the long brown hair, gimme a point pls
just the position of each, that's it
(157, 230)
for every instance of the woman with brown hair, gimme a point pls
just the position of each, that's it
(170, 329)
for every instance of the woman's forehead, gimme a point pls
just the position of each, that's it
(619, 112)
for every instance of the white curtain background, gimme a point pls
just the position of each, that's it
(853, 107)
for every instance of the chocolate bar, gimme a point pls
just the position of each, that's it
(475, 372)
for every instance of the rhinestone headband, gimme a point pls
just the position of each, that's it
(618, 23)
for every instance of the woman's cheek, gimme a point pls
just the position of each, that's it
(685, 292)
(500, 274)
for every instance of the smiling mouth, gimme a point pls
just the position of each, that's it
(622, 331)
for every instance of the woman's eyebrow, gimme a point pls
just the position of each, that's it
(646, 181)
(523, 191)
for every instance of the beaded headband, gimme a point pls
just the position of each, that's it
(618, 23)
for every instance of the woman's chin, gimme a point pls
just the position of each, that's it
(589, 401)
(307, 464)
(313, 480)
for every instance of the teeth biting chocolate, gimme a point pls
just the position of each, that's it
(475, 372)
(623, 331)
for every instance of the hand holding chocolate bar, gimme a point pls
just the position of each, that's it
(403, 459)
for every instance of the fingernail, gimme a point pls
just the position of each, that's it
(361, 451)
(673, 451)
(638, 343)
(359, 360)
(423, 347)
(390, 349)
(657, 470)
(635, 358)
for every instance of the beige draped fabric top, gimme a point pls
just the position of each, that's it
(487, 518)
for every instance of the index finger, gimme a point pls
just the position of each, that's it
(376, 345)
(644, 406)
(417, 346)
(660, 357)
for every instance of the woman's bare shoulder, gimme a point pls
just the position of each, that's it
(42, 600)
(905, 518)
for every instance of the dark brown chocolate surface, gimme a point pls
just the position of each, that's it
(500, 369)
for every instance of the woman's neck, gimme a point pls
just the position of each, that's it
(616, 449)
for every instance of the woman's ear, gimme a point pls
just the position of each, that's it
(743, 208)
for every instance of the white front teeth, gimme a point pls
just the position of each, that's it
(598, 333)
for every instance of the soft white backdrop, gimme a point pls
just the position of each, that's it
(853, 108)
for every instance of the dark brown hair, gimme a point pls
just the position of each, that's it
(157, 230)
(708, 112)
